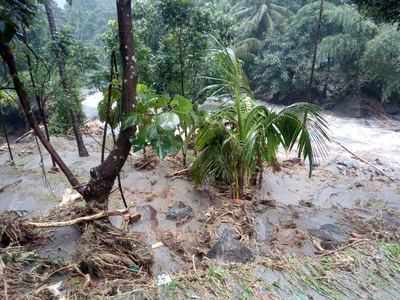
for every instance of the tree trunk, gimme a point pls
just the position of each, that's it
(181, 63)
(316, 43)
(8, 57)
(61, 69)
(37, 97)
(3, 126)
(103, 177)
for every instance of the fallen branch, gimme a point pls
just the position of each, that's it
(100, 215)
(380, 171)
(184, 172)
(7, 186)
(22, 137)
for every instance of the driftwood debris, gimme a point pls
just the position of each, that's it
(380, 171)
(100, 215)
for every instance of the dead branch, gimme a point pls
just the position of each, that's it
(184, 172)
(100, 215)
(7, 186)
(380, 171)
(22, 137)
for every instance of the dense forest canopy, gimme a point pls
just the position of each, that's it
(276, 40)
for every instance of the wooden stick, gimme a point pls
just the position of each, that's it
(380, 171)
(100, 215)
(2, 189)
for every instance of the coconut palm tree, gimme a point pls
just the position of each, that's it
(236, 140)
(259, 17)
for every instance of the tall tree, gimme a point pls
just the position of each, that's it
(316, 43)
(4, 129)
(97, 191)
(259, 17)
(60, 59)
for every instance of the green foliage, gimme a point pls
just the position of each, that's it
(279, 65)
(234, 141)
(381, 10)
(12, 14)
(110, 107)
(179, 59)
(164, 124)
(381, 61)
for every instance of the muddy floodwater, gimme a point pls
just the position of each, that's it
(356, 183)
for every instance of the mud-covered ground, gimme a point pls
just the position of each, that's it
(332, 236)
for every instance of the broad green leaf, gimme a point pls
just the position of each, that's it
(182, 105)
(168, 121)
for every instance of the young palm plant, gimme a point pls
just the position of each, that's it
(241, 136)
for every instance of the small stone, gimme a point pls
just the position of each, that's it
(359, 185)
(331, 236)
(268, 202)
(306, 203)
(229, 250)
(179, 211)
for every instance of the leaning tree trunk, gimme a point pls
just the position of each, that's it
(8, 57)
(315, 51)
(61, 69)
(97, 191)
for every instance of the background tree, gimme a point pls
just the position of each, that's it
(381, 10)
(71, 103)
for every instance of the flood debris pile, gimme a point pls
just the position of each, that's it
(13, 231)
(108, 258)
(107, 252)
(22, 271)
(23, 274)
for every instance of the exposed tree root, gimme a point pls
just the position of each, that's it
(106, 252)
(13, 231)
(111, 259)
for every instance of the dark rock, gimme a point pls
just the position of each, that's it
(179, 211)
(331, 236)
(306, 203)
(267, 202)
(391, 108)
(229, 250)
(358, 185)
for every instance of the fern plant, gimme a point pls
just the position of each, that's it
(236, 140)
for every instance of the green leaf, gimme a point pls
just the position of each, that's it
(182, 105)
(168, 121)
(165, 143)
(130, 120)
